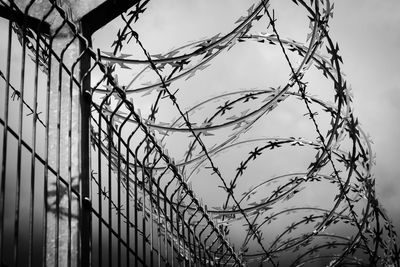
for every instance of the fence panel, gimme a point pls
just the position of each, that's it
(119, 203)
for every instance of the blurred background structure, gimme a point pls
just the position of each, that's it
(238, 149)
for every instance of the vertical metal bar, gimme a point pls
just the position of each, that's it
(188, 233)
(172, 231)
(159, 221)
(166, 228)
(128, 197)
(151, 210)
(178, 201)
(69, 195)
(166, 210)
(20, 129)
(109, 136)
(127, 201)
(126, 167)
(100, 262)
(183, 235)
(128, 223)
(119, 189)
(58, 163)
(136, 207)
(32, 190)
(85, 222)
(4, 158)
(157, 208)
(144, 211)
(46, 165)
(70, 150)
(119, 207)
(189, 243)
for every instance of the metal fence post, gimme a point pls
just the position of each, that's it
(90, 23)
(85, 222)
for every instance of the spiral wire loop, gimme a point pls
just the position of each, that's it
(140, 202)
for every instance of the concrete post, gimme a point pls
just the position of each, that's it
(62, 224)
(63, 154)
(68, 119)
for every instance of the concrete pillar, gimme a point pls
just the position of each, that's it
(63, 152)
(62, 228)
(64, 129)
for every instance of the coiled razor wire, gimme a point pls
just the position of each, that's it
(276, 224)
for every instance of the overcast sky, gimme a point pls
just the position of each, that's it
(369, 36)
(368, 33)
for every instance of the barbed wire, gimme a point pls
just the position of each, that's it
(305, 238)
(341, 123)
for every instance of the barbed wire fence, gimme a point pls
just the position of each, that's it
(107, 186)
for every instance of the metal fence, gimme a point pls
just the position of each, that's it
(86, 179)
(77, 189)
